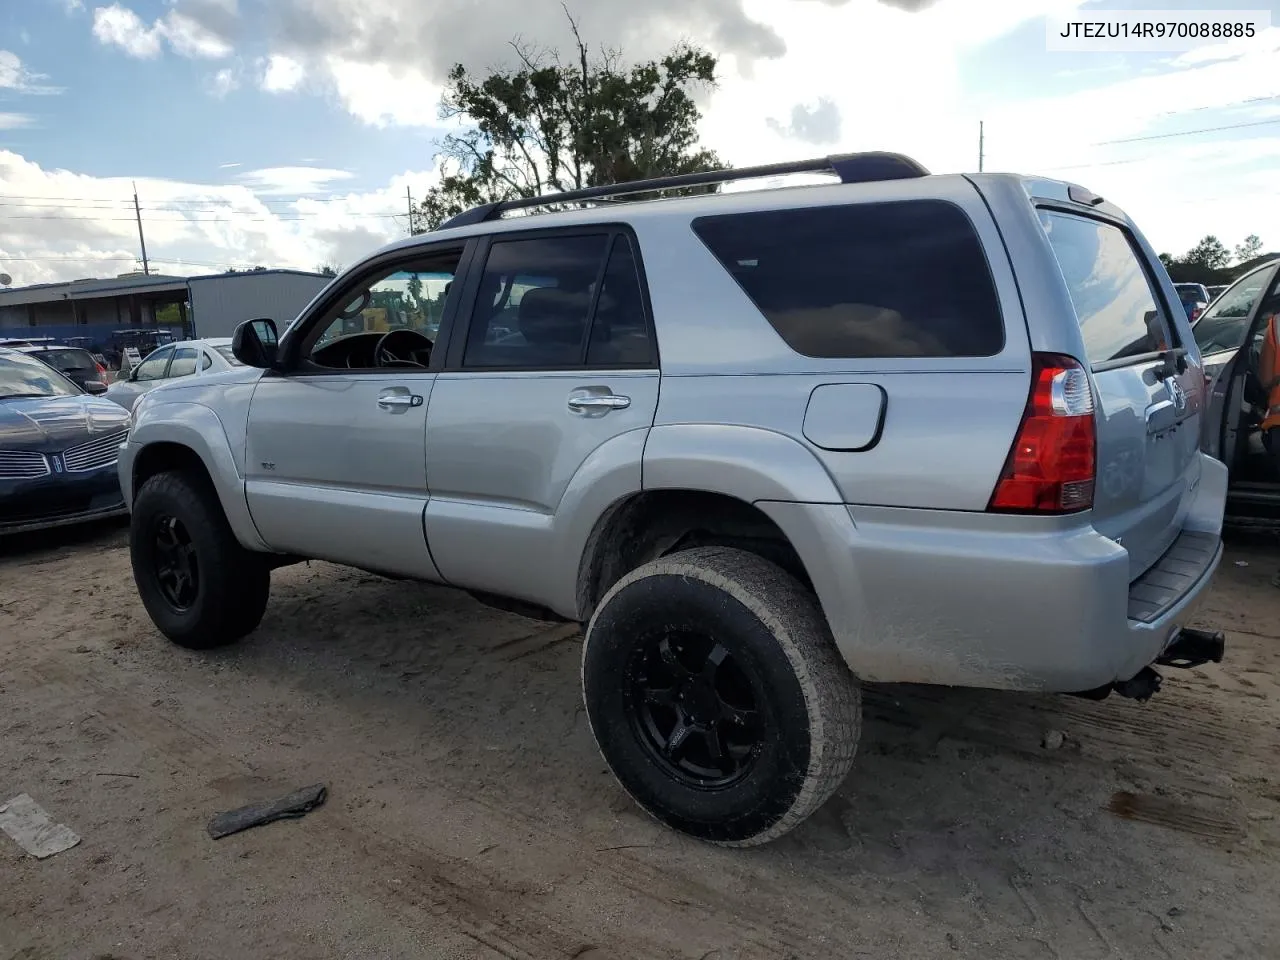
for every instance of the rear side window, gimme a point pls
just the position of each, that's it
(1115, 304)
(901, 279)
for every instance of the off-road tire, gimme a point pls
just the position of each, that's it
(233, 584)
(775, 628)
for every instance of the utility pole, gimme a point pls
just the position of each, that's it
(409, 197)
(146, 269)
(981, 145)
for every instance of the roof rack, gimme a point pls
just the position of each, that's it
(849, 167)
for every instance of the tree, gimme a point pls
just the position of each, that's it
(327, 270)
(1208, 254)
(551, 125)
(1250, 248)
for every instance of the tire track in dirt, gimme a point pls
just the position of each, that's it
(476, 900)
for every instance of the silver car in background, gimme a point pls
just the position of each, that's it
(174, 361)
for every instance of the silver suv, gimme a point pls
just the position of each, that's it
(765, 444)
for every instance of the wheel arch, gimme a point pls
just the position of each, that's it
(654, 523)
(190, 437)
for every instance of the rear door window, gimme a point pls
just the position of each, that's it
(1119, 313)
(898, 279)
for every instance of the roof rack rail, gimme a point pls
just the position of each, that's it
(849, 167)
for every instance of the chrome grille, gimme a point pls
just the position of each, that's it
(95, 454)
(22, 465)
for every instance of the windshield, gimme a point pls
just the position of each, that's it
(227, 355)
(23, 376)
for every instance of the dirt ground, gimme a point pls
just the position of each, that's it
(469, 814)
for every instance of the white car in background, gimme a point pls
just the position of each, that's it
(187, 358)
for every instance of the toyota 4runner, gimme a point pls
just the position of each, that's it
(766, 444)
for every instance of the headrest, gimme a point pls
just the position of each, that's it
(551, 316)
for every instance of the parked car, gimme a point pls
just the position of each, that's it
(187, 358)
(1215, 292)
(58, 448)
(76, 364)
(1194, 296)
(764, 444)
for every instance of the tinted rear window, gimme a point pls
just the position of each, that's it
(68, 360)
(900, 279)
(1117, 309)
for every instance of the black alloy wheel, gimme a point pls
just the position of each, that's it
(177, 568)
(695, 709)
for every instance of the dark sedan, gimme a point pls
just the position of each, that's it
(75, 363)
(58, 448)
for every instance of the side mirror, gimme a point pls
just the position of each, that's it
(254, 343)
(95, 387)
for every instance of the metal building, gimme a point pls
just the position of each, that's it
(107, 313)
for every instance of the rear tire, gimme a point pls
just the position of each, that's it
(201, 588)
(717, 696)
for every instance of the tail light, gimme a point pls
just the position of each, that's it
(1052, 464)
(1195, 313)
(102, 371)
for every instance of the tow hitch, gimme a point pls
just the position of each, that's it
(1192, 648)
(1187, 649)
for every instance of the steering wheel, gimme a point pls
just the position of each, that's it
(384, 353)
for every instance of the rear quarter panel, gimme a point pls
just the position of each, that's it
(948, 422)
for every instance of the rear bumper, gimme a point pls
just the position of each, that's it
(979, 600)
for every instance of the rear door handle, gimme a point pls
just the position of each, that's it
(588, 402)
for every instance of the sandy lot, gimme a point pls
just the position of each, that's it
(469, 814)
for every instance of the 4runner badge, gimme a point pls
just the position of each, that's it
(1177, 394)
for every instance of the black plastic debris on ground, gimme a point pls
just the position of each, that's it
(297, 804)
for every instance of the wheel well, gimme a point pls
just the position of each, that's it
(158, 458)
(653, 524)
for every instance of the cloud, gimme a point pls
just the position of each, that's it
(819, 124)
(11, 121)
(16, 77)
(121, 27)
(190, 227)
(197, 29)
(282, 74)
(227, 166)
(292, 181)
(224, 81)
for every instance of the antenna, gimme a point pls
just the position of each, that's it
(981, 144)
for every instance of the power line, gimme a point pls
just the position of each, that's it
(1187, 133)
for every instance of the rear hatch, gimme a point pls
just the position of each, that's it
(1148, 414)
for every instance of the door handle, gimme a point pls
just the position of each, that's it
(399, 401)
(610, 401)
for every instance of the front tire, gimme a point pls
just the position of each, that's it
(717, 696)
(201, 588)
